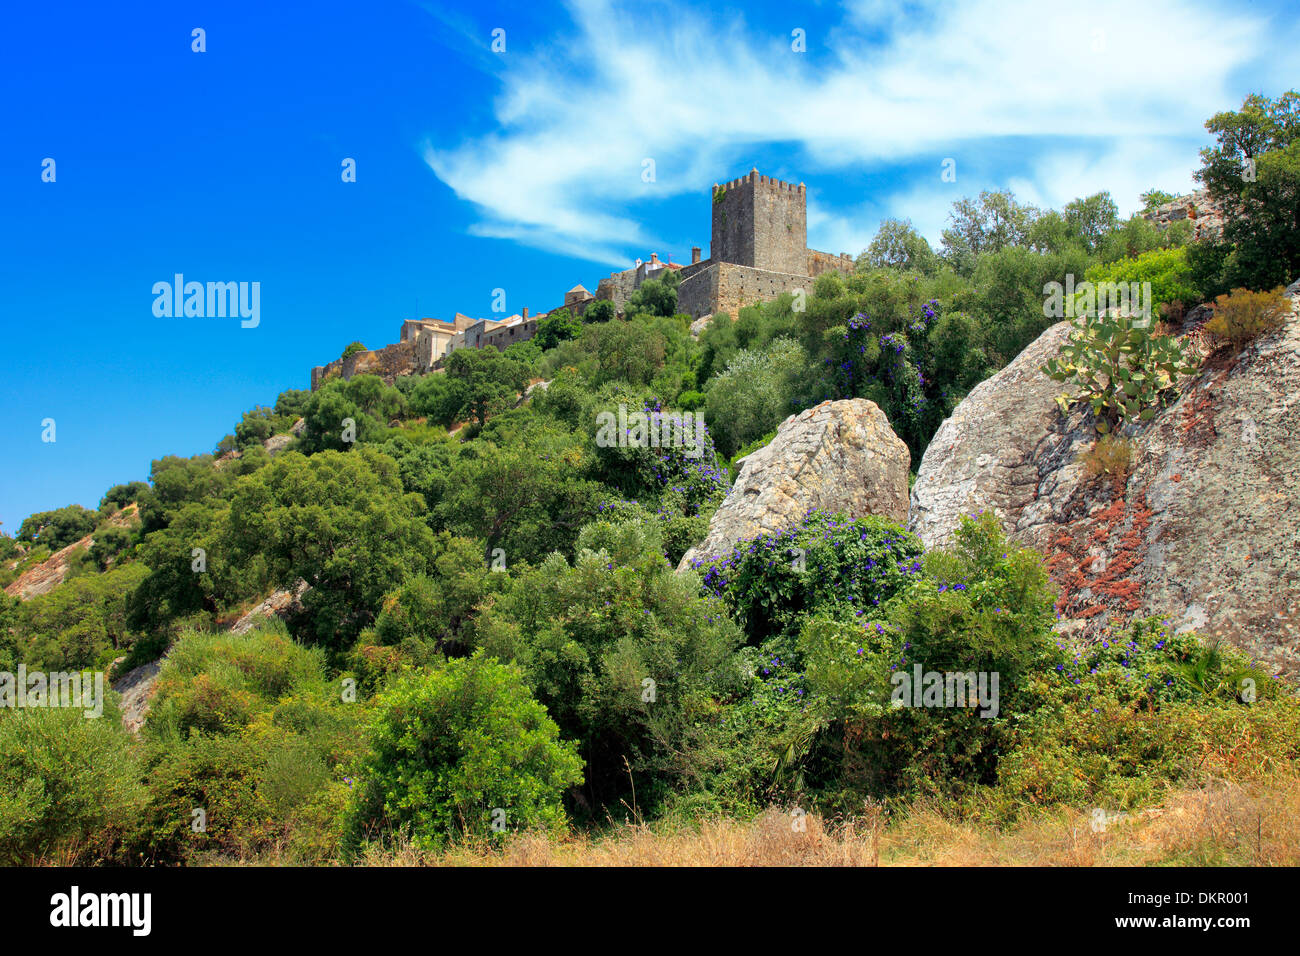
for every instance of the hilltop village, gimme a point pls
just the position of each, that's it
(758, 251)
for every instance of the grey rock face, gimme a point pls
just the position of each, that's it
(1205, 527)
(837, 456)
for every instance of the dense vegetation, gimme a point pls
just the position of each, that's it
(492, 636)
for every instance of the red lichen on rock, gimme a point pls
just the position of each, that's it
(1118, 532)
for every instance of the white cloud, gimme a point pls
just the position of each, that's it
(698, 94)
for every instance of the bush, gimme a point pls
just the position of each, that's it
(247, 729)
(827, 564)
(218, 683)
(109, 543)
(123, 495)
(464, 750)
(70, 788)
(1122, 719)
(602, 310)
(556, 327)
(1167, 270)
(628, 658)
(981, 610)
(1243, 316)
(754, 394)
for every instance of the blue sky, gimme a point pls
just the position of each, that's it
(520, 170)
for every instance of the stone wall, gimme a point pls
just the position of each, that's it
(725, 287)
(388, 363)
(618, 288)
(502, 337)
(819, 262)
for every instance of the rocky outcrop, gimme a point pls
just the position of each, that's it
(282, 603)
(45, 577)
(136, 687)
(277, 443)
(838, 456)
(987, 454)
(1197, 208)
(1204, 528)
(700, 324)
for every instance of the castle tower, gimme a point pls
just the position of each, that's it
(761, 222)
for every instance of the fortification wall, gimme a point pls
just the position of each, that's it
(617, 288)
(726, 287)
(819, 262)
(388, 363)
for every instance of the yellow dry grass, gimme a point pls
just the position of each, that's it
(1219, 823)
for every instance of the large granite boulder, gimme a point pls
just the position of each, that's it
(986, 454)
(1205, 526)
(837, 456)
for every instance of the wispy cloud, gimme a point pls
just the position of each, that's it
(701, 91)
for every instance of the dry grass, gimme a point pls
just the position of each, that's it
(1110, 457)
(1254, 824)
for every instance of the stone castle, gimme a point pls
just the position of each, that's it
(758, 251)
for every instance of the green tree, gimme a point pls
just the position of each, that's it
(990, 224)
(122, 495)
(556, 327)
(340, 522)
(655, 296)
(1091, 219)
(489, 381)
(601, 310)
(462, 750)
(1254, 174)
(527, 495)
(898, 245)
(58, 528)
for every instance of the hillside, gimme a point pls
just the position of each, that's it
(906, 567)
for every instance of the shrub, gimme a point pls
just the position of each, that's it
(123, 495)
(247, 729)
(981, 609)
(825, 564)
(1111, 456)
(352, 349)
(464, 750)
(602, 310)
(680, 476)
(1121, 719)
(556, 327)
(754, 394)
(70, 786)
(1243, 316)
(1167, 270)
(217, 683)
(109, 543)
(690, 400)
(428, 616)
(628, 658)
